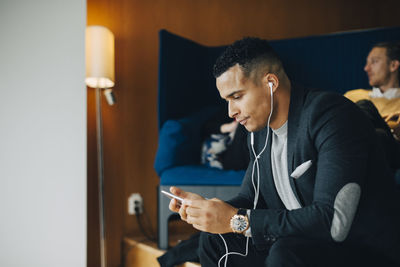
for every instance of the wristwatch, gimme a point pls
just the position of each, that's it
(240, 222)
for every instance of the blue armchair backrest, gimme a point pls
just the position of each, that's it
(185, 80)
(330, 62)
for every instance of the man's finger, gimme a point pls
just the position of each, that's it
(195, 203)
(177, 191)
(193, 220)
(182, 212)
(198, 203)
(391, 117)
(387, 116)
(174, 205)
(194, 212)
(198, 227)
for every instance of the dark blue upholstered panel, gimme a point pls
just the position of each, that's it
(330, 62)
(186, 83)
(200, 175)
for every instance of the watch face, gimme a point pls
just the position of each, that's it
(239, 223)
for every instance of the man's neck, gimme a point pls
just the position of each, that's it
(281, 107)
(393, 83)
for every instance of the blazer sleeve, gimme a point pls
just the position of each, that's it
(337, 130)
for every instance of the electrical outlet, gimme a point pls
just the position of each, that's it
(135, 203)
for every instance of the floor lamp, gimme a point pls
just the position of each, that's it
(100, 76)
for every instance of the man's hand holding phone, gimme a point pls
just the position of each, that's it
(208, 215)
(178, 198)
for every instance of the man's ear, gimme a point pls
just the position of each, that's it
(394, 65)
(271, 78)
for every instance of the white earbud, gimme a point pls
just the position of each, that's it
(270, 85)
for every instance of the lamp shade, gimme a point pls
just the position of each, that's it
(99, 57)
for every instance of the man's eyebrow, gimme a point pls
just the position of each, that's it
(373, 58)
(376, 56)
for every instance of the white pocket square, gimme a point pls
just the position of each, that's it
(301, 169)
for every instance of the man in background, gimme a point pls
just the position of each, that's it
(382, 103)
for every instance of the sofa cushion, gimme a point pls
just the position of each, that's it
(200, 175)
(179, 142)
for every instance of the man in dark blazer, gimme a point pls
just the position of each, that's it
(317, 191)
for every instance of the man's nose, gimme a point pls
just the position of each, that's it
(232, 111)
(366, 67)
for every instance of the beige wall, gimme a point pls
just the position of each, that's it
(42, 133)
(130, 127)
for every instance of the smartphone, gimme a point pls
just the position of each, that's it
(170, 195)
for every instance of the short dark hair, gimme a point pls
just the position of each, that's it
(249, 53)
(392, 52)
(392, 49)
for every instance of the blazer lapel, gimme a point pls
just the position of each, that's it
(296, 104)
(268, 184)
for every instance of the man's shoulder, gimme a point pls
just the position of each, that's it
(325, 113)
(309, 101)
(358, 94)
(315, 98)
(320, 104)
(309, 93)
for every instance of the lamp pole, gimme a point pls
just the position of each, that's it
(100, 75)
(100, 170)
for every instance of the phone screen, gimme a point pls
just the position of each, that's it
(170, 195)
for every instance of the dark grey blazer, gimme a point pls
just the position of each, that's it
(345, 187)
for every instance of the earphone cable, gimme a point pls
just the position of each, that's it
(255, 187)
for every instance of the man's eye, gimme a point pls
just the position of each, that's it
(236, 96)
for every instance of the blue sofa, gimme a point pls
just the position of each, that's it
(187, 97)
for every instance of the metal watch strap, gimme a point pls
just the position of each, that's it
(242, 212)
